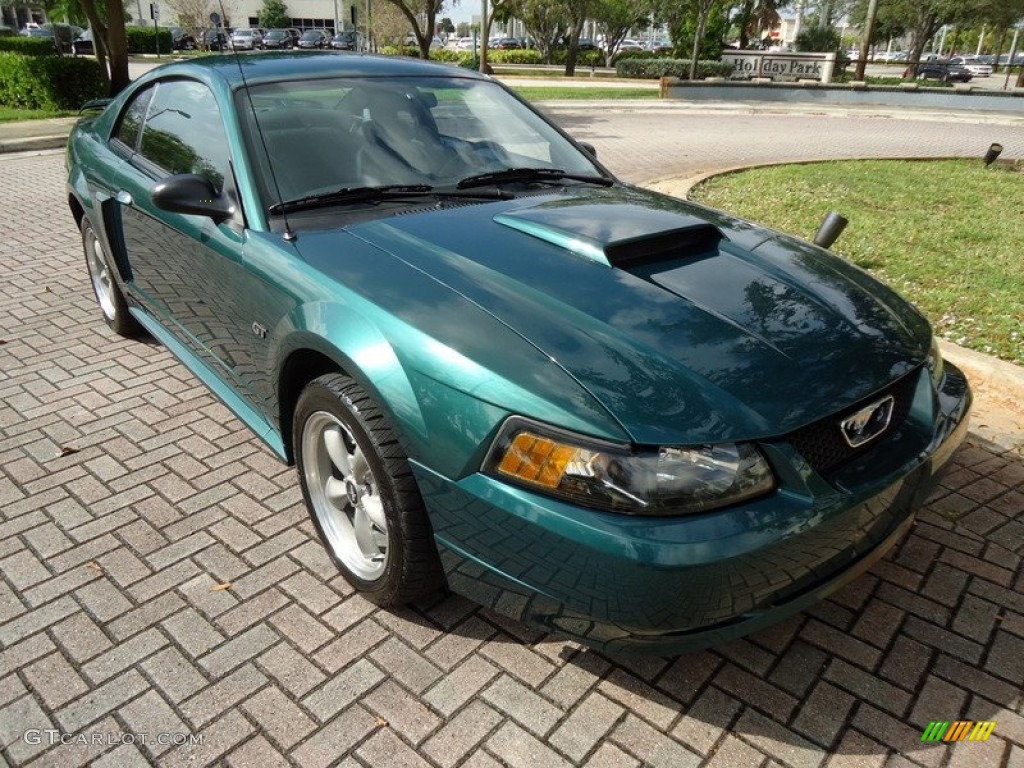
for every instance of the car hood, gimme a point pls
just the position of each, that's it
(688, 325)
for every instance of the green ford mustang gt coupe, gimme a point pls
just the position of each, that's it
(633, 421)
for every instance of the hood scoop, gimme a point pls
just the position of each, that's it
(616, 234)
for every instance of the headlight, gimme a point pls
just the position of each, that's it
(659, 481)
(934, 362)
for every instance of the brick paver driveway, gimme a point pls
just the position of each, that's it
(129, 496)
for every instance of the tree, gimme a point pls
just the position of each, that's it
(110, 41)
(615, 18)
(274, 15)
(703, 8)
(696, 24)
(389, 24)
(577, 13)
(920, 19)
(754, 16)
(416, 11)
(545, 21)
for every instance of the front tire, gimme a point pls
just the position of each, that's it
(104, 283)
(361, 494)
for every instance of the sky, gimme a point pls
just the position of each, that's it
(462, 10)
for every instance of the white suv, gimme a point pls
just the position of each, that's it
(973, 65)
(246, 39)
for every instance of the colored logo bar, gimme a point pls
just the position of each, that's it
(958, 730)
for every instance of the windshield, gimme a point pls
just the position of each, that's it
(311, 35)
(326, 135)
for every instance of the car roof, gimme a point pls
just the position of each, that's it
(287, 65)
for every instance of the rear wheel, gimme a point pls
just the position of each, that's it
(104, 283)
(361, 494)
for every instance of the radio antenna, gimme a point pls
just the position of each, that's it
(289, 233)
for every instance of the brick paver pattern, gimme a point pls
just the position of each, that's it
(129, 497)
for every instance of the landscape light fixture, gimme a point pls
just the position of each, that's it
(993, 152)
(830, 230)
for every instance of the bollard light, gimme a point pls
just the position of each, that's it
(830, 230)
(993, 152)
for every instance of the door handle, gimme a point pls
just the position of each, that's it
(124, 198)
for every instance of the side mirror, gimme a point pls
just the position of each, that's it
(193, 194)
(588, 148)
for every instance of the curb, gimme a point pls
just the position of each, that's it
(33, 143)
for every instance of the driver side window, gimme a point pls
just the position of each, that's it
(184, 133)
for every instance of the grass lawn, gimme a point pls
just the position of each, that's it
(945, 234)
(10, 114)
(542, 93)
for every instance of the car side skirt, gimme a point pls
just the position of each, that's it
(252, 418)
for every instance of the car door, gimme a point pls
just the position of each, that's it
(187, 270)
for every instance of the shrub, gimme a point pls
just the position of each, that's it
(583, 58)
(652, 69)
(521, 56)
(448, 56)
(473, 62)
(28, 46)
(143, 40)
(48, 82)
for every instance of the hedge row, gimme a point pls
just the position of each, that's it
(28, 46)
(653, 69)
(48, 82)
(464, 57)
(143, 40)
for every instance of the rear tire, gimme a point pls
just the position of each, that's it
(103, 277)
(361, 494)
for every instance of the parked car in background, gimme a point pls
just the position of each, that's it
(621, 417)
(436, 43)
(344, 41)
(83, 44)
(181, 40)
(505, 44)
(943, 69)
(215, 40)
(62, 35)
(281, 38)
(314, 38)
(973, 64)
(246, 39)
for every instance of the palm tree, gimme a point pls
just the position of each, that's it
(756, 15)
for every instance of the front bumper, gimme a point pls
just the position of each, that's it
(668, 585)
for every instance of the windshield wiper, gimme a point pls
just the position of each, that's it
(378, 194)
(531, 174)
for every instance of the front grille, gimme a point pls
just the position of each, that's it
(822, 443)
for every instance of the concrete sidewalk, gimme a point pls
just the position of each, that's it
(33, 135)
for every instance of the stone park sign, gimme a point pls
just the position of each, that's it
(780, 66)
